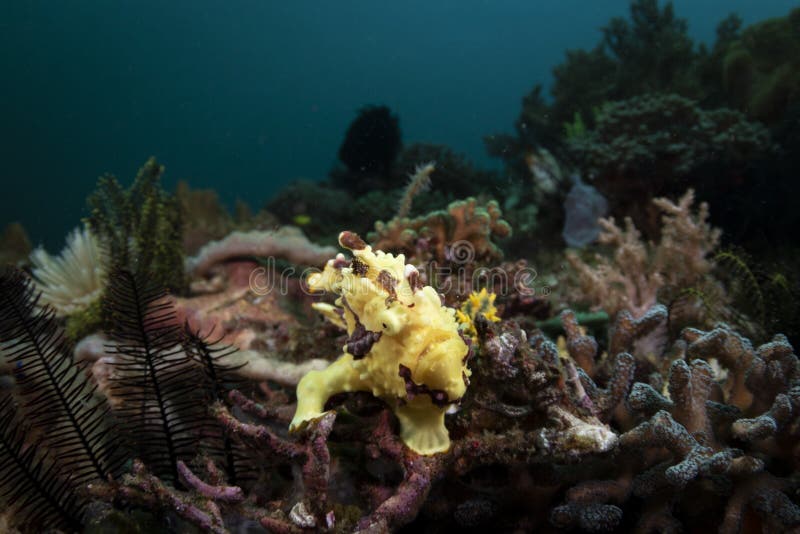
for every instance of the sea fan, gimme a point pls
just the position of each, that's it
(57, 398)
(30, 481)
(162, 407)
(73, 280)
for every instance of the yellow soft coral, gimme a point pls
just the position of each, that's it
(477, 302)
(403, 345)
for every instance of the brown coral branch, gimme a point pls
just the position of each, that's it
(207, 518)
(229, 494)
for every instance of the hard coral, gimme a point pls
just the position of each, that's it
(403, 345)
(706, 438)
(462, 234)
(287, 242)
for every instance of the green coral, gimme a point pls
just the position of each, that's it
(141, 226)
(575, 129)
(667, 129)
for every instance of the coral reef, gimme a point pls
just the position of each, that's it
(287, 242)
(760, 66)
(700, 430)
(174, 370)
(633, 276)
(326, 207)
(205, 219)
(462, 234)
(667, 138)
(698, 105)
(453, 178)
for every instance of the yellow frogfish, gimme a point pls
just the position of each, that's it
(403, 345)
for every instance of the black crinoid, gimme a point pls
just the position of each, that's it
(369, 150)
(68, 438)
(163, 379)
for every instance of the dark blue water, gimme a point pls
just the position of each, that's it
(243, 96)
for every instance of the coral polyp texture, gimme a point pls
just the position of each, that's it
(403, 346)
(461, 234)
(73, 280)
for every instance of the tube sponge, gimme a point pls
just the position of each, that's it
(403, 345)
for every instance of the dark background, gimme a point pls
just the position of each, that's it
(244, 96)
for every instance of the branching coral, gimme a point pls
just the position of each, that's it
(76, 278)
(696, 430)
(632, 278)
(702, 435)
(707, 439)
